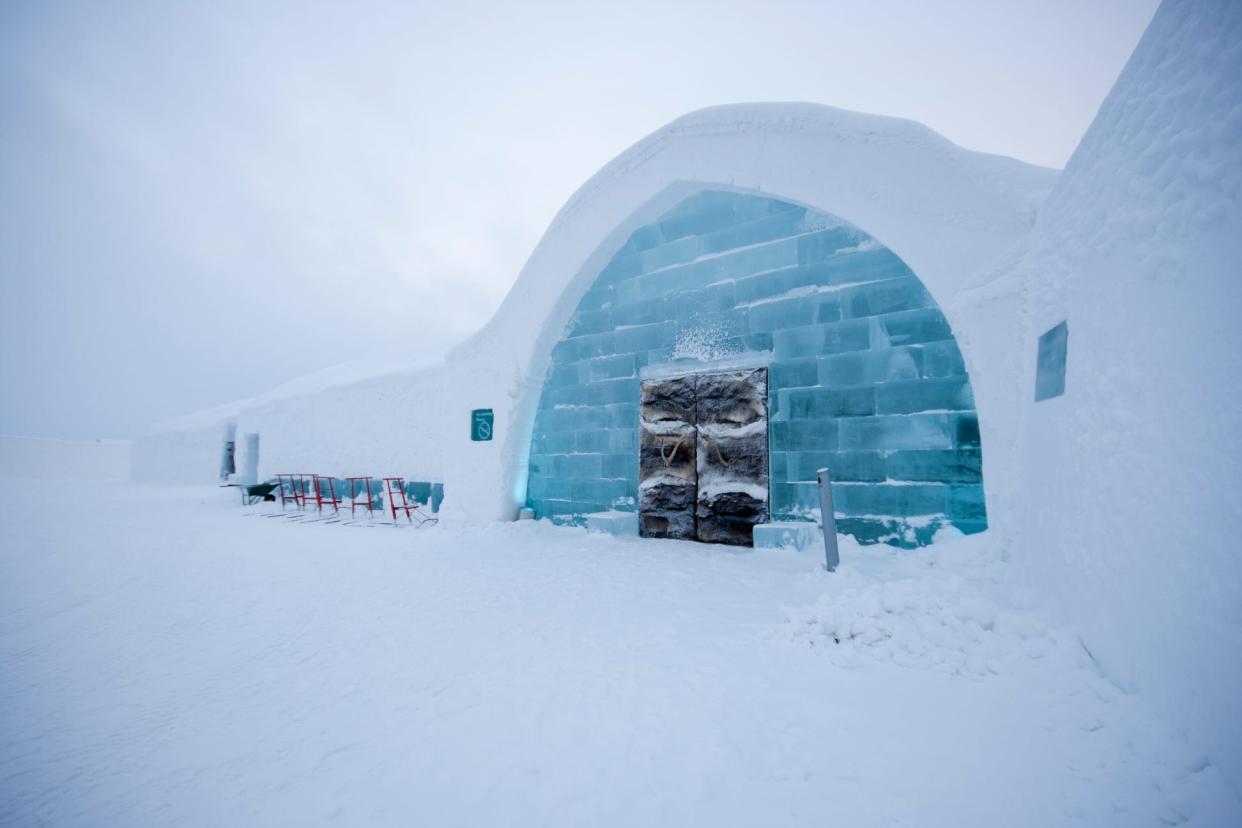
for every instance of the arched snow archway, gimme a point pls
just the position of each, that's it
(941, 210)
(863, 373)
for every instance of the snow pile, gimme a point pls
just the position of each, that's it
(938, 610)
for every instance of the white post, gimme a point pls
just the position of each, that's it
(227, 463)
(832, 557)
(251, 475)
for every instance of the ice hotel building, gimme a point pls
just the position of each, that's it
(746, 296)
(966, 341)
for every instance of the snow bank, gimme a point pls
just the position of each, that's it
(44, 459)
(272, 672)
(938, 608)
(1130, 518)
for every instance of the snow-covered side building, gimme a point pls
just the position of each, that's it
(1130, 517)
(350, 420)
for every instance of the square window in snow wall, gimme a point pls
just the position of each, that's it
(1050, 368)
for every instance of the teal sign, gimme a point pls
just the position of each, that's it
(481, 424)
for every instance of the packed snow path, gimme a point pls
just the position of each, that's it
(166, 660)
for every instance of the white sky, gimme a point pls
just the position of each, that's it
(198, 202)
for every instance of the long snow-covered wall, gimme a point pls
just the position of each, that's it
(1132, 521)
(384, 424)
(45, 459)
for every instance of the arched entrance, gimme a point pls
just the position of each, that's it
(862, 371)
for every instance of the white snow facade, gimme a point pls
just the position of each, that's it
(1084, 321)
(349, 421)
(1131, 479)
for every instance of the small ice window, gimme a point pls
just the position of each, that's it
(1050, 369)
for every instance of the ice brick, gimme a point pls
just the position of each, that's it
(825, 403)
(804, 435)
(951, 394)
(889, 499)
(764, 228)
(590, 322)
(966, 430)
(766, 317)
(671, 253)
(565, 395)
(814, 340)
(792, 534)
(613, 367)
(576, 465)
(775, 283)
(612, 391)
(644, 337)
(641, 313)
(910, 327)
(967, 503)
(824, 244)
(793, 373)
(623, 415)
(568, 373)
(913, 431)
(794, 498)
(870, 265)
(855, 466)
(649, 235)
(622, 466)
(950, 466)
(579, 348)
(887, 296)
(874, 366)
(942, 359)
(588, 441)
(613, 522)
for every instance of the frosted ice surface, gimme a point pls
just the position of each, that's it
(1050, 369)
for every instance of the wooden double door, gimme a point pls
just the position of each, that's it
(703, 456)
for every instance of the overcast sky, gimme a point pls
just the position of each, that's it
(200, 201)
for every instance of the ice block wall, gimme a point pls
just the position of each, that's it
(865, 375)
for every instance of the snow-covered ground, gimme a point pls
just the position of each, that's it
(166, 659)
